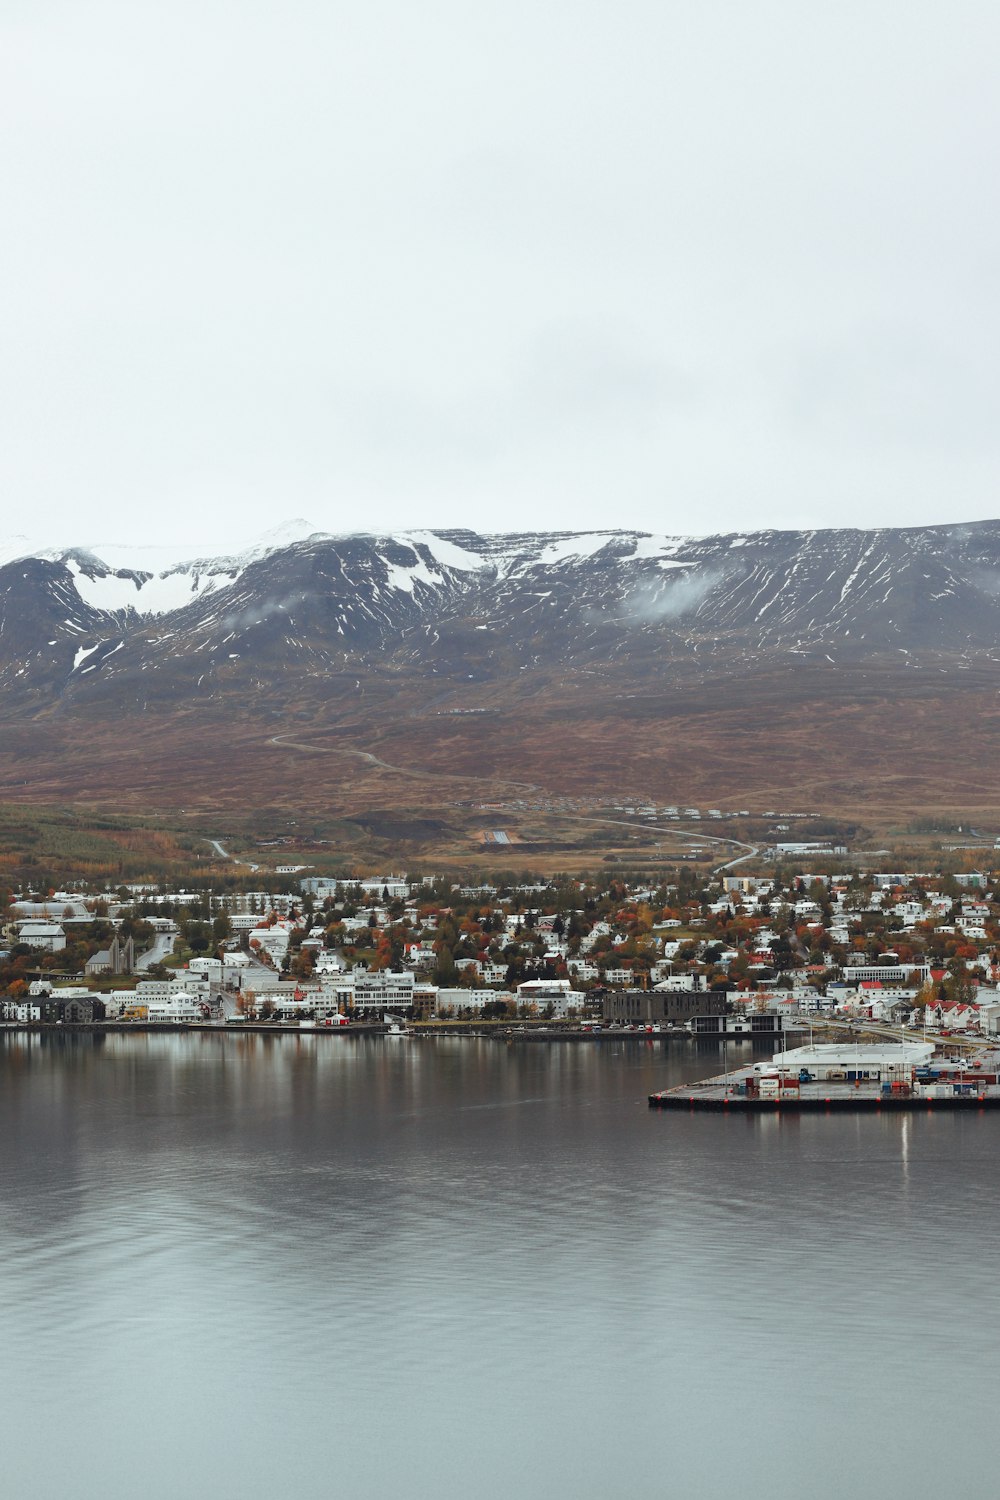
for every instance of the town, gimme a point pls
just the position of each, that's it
(721, 953)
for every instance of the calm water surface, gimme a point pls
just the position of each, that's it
(316, 1267)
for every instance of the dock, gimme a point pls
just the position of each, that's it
(831, 1079)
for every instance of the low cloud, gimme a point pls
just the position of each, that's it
(672, 598)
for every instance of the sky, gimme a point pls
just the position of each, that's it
(683, 266)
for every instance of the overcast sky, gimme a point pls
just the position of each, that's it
(682, 265)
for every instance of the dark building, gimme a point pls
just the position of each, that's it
(672, 1006)
(752, 1023)
(76, 1010)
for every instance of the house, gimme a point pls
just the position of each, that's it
(581, 970)
(419, 953)
(559, 993)
(680, 983)
(48, 936)
(618, 976)
(273, 940)
(953, 1015)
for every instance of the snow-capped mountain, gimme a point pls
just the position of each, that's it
(479, 606)
(565, 639)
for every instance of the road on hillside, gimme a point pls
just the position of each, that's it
(674, 830)
(163, 947)
(225, 854)
(287, 743)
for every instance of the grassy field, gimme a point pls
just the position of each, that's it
(62, 843)
(46, 845)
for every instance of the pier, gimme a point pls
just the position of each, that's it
(828, 1079)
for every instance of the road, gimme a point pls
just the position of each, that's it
(285, 742)
(674, 830)
(163, 947)
(495, 783)
(861, 1029)
(741, 860)
(225, 854)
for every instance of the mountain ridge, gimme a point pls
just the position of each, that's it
(557, 639)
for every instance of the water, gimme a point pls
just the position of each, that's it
(312, 1267)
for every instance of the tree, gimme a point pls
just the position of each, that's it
(445, 970)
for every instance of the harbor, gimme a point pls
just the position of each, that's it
(841, 1077)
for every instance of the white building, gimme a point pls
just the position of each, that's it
(178, 1009)
(396, 885)
(580, 969)
(273, 940)
(559, 993)
(327, 963)
(48, 936)
(20, 1010)
(896, 973)
(619, 976)
(836, 1062)
(460, 1001)
(197, 986)
(371, 990)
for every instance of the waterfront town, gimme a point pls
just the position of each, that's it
(718, 953)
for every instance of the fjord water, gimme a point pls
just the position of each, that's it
(326, 1266)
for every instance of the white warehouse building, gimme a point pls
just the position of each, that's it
(836, 1062)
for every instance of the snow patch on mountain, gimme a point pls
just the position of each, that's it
(81, 655)
(169, 591)
(111, 592)
(446, 552)
(579, 544)
(404, 578)
(655, 546)
(107, 592)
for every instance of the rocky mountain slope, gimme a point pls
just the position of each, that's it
(76, 627)
(399, 640)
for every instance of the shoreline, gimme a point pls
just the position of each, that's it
(524, 1031)
(832, 1104)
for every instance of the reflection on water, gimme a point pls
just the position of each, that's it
(315, 1266)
